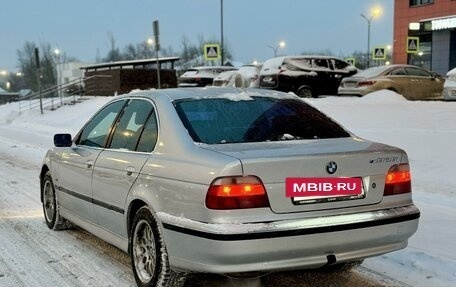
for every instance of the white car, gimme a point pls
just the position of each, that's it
(201, 76)
(246, 77)
(449, 87)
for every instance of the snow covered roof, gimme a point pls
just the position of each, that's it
(133, 63)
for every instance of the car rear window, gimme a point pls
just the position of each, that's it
(372, 72)
(256, 119)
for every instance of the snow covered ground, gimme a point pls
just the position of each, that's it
(426, 130)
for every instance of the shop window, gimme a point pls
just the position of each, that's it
(420, 2)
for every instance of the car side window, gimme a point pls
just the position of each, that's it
(417, 72)
(339, 65)
(131, 125)
(149, 135)
(97, 130)
(321, 64)
(297, 64)
(398, 72)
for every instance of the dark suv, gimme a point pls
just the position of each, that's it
(307, 76)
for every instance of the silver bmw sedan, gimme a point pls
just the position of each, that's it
(227, 181)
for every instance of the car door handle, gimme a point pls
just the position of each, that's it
(130, 170)
(89, 163)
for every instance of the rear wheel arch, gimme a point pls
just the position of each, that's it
(135, 205)
(392, 89)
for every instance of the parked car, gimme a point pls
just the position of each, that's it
(227, 181)
(307, 76)
(201, 76)
(225, 79)
(413, 83)
(449, 87)
(246, 77)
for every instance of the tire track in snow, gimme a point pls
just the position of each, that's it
(8, 277)
(41, 257)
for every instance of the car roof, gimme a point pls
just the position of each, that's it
(227, 68)
(208, 92)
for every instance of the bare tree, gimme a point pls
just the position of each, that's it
(114, 53)
(27, 64)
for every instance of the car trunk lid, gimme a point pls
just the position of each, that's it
(274, 162)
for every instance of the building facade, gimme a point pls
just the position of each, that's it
(425, 34)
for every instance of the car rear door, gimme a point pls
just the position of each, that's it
(76, 165)
(341, 70)
(325, 82)
(118, 166)
(423, 85)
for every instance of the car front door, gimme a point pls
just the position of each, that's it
(118, 166)
(76, 164)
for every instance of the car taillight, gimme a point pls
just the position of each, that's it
(366, 83)
(398, 180)
(236, 192)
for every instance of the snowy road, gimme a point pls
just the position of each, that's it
(32, 255)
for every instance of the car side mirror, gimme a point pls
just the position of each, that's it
(62, 140)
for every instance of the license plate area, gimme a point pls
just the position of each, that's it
(322, 190)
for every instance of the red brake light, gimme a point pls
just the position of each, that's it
(236, 192)
(366, 83)
(398, 180)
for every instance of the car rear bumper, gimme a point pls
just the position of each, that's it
(285, 245)
(352, 91)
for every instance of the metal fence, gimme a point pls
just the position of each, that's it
(54, 97)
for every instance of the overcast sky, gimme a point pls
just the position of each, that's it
(81, 27)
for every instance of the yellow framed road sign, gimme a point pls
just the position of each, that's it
(413, 45)
(379, 53)
(351, 61)
(211, 52)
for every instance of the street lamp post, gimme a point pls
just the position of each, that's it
(281, 45)
(59, 75)
(222, 56)
(375, 12)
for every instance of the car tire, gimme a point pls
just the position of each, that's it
(149, 257)
(51, 208)
(305, 92)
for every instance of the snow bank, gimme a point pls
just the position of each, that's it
(382, 97)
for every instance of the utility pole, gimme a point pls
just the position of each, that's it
(221, 28)
(157, 48)
(38, 76)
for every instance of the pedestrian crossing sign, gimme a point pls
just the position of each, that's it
(413, 45)
(379, 53)
(211, 52)
(351, 61)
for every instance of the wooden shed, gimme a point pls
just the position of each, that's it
(107, 79)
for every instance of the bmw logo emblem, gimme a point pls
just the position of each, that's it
(331, 167)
